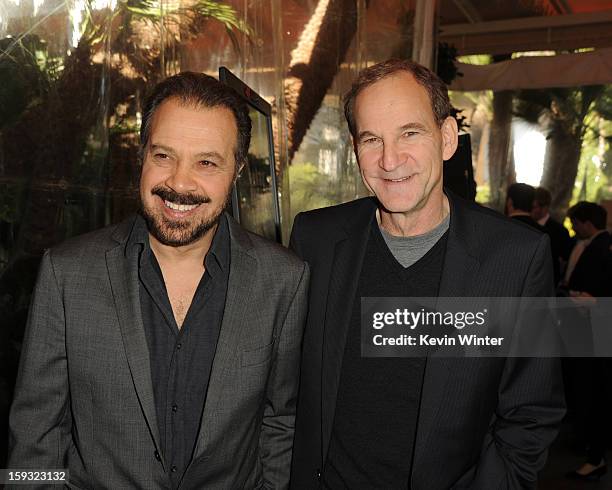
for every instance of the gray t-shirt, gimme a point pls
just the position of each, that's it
(409, 249)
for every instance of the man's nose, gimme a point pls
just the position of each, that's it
(391, 158)
(180, 179)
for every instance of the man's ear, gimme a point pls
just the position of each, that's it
(450, 137)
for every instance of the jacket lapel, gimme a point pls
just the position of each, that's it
(344, 277)
(243, 267)
(123, 275)
(459, 275)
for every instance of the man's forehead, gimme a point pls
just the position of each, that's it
(396, 95)
(400, 83)
(175, 107)
(174, 117)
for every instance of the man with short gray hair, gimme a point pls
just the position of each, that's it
(415, 422)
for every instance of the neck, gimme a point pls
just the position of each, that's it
(186, 254)
(416, 222)
(544, 219)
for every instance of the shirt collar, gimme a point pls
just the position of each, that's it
(220, 247)
(218, 257)
(519, 212)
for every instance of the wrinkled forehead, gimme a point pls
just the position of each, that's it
(193, 122)
(394, 95)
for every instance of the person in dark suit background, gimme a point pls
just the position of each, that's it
(418, 423)
(590, 275)
(560, 241)
(591, 272)
(519, 203)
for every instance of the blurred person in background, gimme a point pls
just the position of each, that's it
(519, 203)
(589, 274)
(560, 241)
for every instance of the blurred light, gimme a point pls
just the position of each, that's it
(75, 15)
(529, 149)
(37, 5)
(104, 4)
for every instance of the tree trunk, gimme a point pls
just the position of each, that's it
(500, 167)
(314, 63)
(561, 167)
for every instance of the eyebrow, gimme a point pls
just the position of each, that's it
(413, 125)
(167, 149)
(405, 127)
(365, 134)
(203, 154)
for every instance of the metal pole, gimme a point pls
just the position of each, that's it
(424, 27)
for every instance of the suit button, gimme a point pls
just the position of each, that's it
(173, 469)
(318, 474)
(157, 456)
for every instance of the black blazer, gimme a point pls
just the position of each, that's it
(560, 241)
(560, 244)
(593, 271)
(483, 423)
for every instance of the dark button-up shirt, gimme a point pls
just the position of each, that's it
(181, 359)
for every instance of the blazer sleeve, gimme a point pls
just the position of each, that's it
(40, 419)
(278, 426)
(530, 406)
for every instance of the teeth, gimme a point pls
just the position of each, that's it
(400, 180)
(180, 207)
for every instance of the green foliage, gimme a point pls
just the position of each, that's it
(446, 68)
(590, 179)
(22, 72)
(595, 167)
(483, 194)
(310, 189)
(475, 59)
(188, 19)
(603, 105)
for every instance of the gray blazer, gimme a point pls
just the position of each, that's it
(84, 396)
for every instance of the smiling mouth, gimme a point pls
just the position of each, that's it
(182, 208)
(401, 179)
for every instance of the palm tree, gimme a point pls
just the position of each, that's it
(314, 64)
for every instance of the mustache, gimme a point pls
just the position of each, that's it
(173, 196)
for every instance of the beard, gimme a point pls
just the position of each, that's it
(180, 232)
